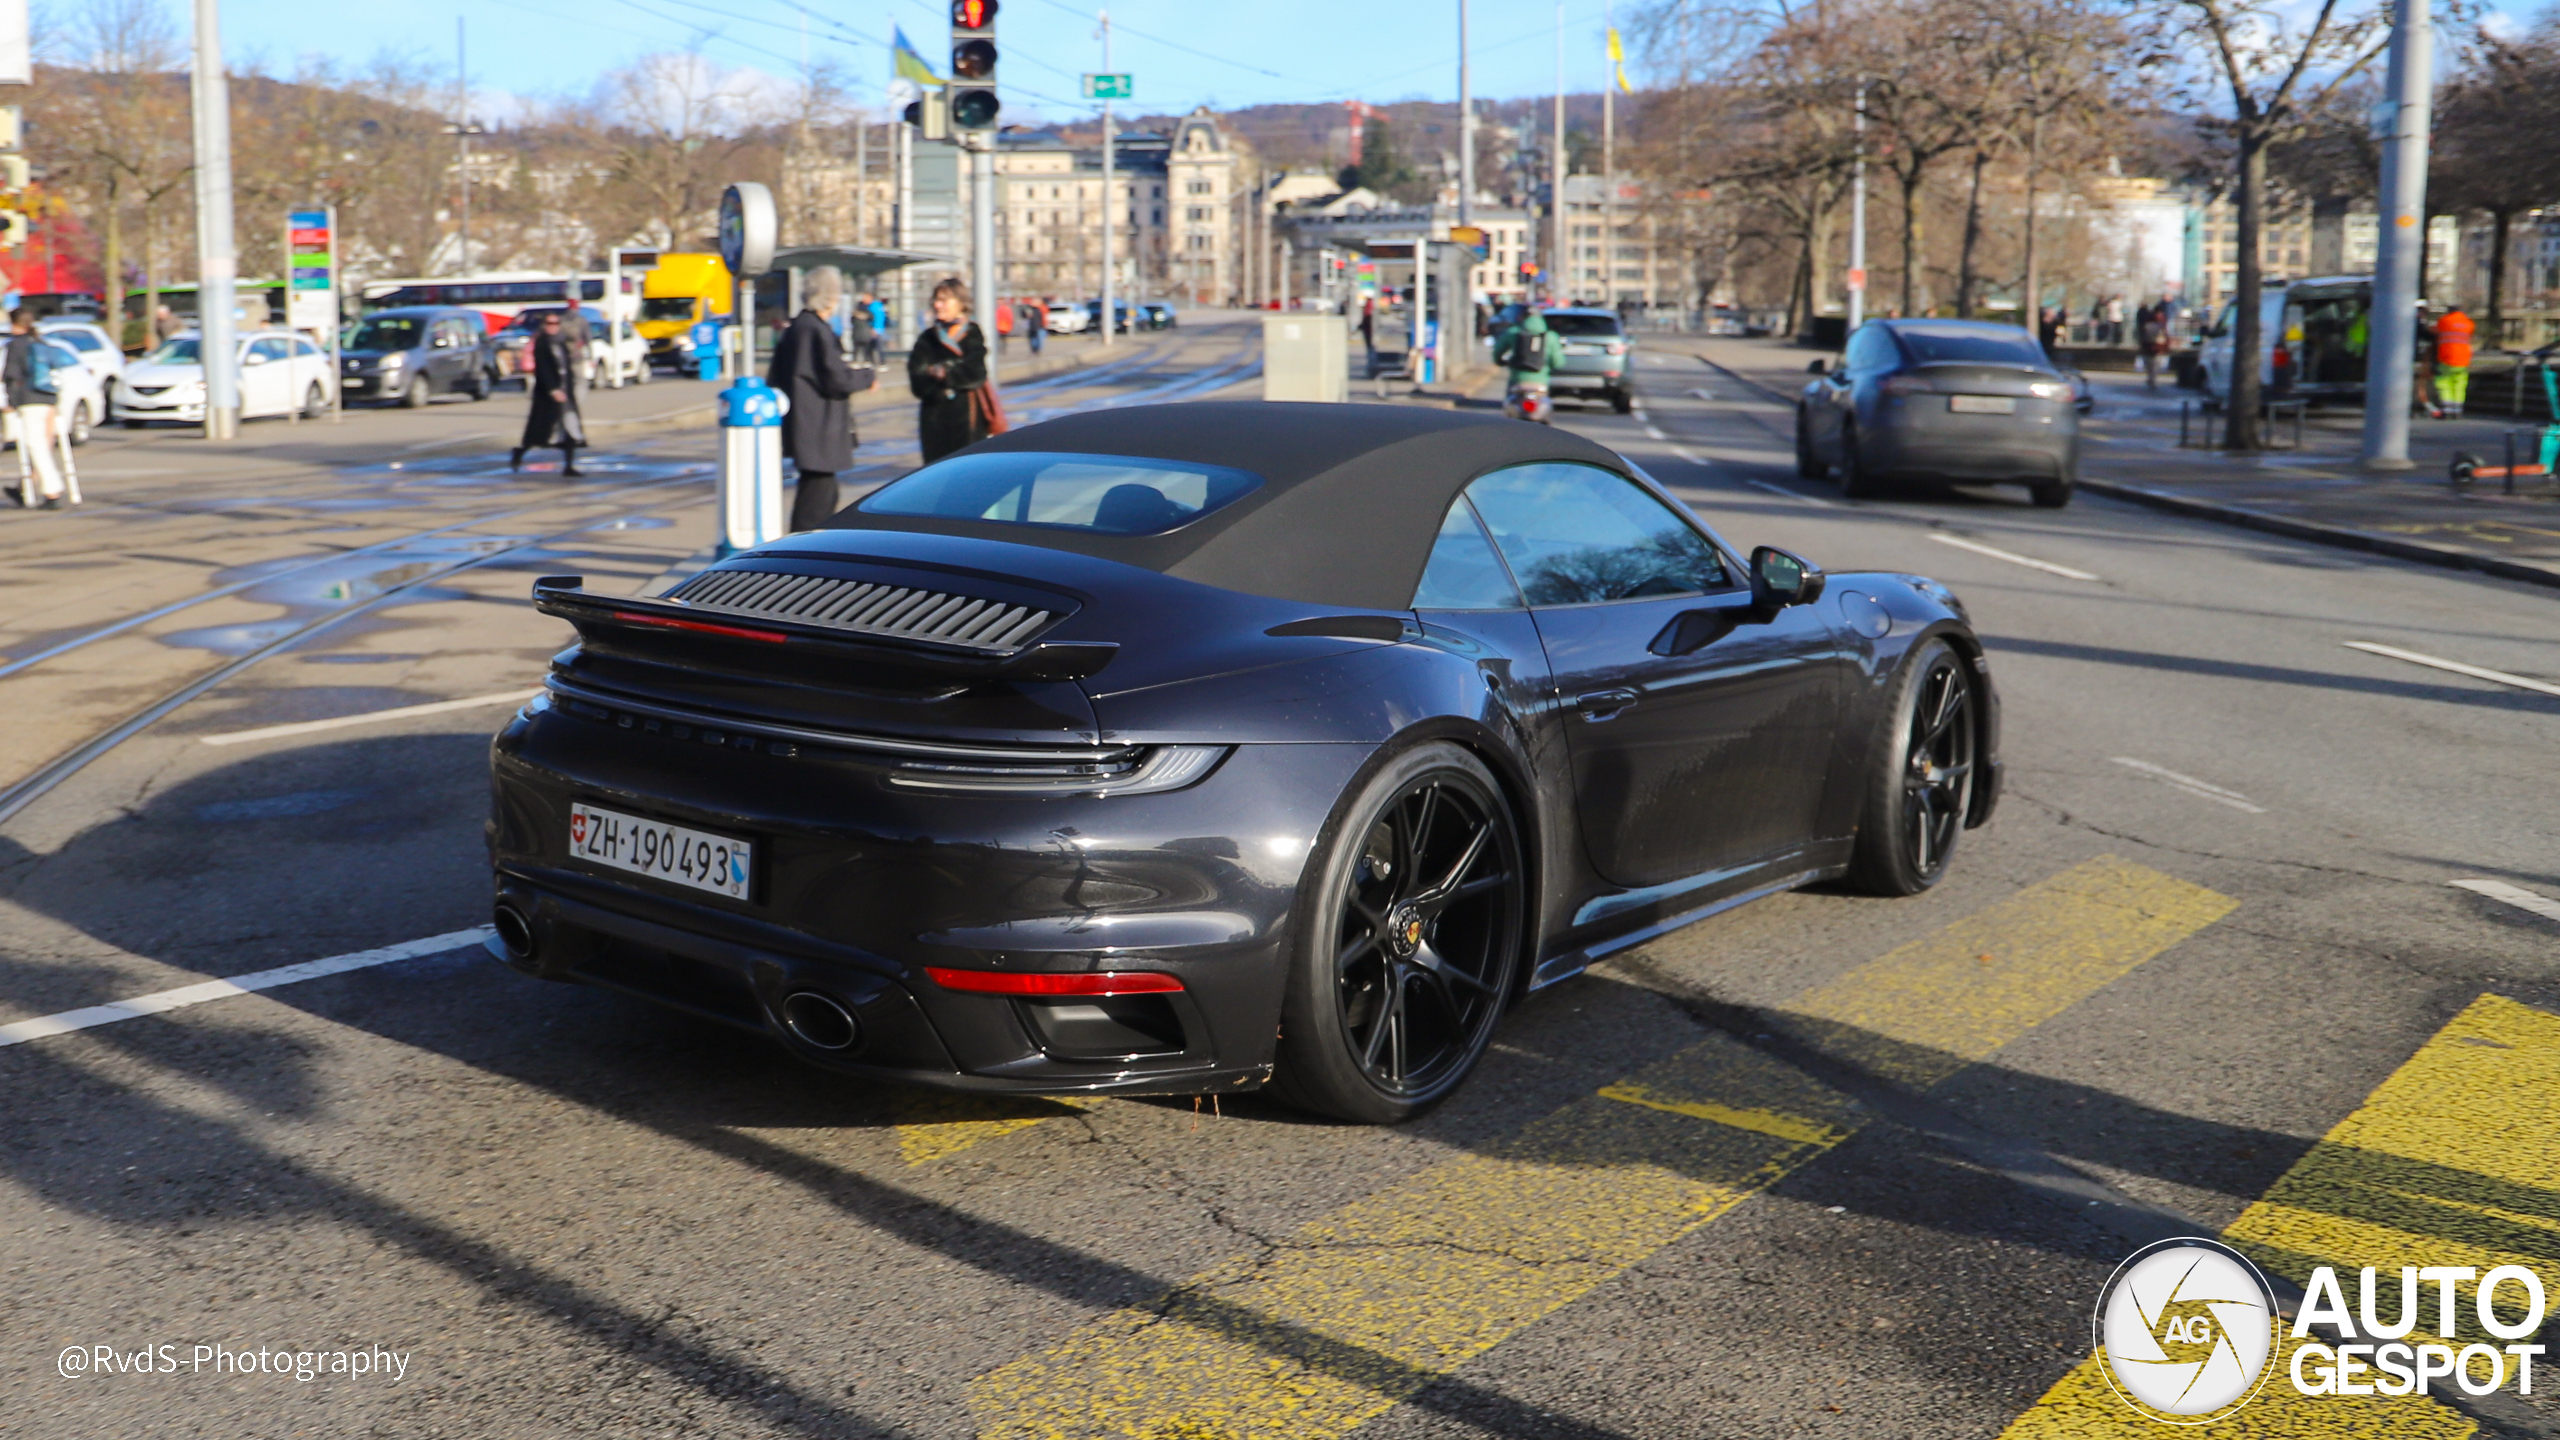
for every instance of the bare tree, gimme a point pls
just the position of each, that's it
(2497, 145)
(2268, 61)
(112, 127)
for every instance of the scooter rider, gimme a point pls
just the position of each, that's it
(1531, 352)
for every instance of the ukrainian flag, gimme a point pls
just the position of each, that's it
(909, 64)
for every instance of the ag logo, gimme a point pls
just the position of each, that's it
(2186, 1326)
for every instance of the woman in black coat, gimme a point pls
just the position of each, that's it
(946, 366)
(554, 420)
(810, 370)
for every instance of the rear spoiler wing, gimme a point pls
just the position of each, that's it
(566, 597)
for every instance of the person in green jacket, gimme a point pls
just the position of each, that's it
(1531, 352)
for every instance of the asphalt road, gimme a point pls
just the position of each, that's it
(1825, 1165)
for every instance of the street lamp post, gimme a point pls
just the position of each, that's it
(217, 256)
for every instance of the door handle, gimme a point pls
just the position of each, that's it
(1604, 704)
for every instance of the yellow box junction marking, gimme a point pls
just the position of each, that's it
(932, 1126)
(2453, 1160)
(1354, 1313)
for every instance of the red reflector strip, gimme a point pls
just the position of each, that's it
(1107, 982)
(774, 637)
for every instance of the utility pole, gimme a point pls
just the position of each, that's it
(462, 134)
(1609, 164)
(1858, 215)
(217, 256)
(2402, 124)
(1466, 128)
(1557, 271)
(1110, 206)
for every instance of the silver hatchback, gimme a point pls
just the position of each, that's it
(1599, 358)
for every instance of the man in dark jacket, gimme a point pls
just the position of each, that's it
(554, 419)
(810, 370)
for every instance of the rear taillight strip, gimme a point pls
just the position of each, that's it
(1089, 983)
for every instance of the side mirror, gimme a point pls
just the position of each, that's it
(253, 358)
(1780, 578)
(1817, 367)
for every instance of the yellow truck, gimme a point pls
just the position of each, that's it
(679, 291)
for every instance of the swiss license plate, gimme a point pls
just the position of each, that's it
(1582, 349)
(661, 851)
(1982, 404)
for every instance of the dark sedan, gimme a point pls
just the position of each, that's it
(417, 352)
(1960, 400)
(1197, 748)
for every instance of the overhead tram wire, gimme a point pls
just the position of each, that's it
(1122, 29)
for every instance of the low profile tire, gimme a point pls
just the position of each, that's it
(1857, 479)
(416, 395)
(1409, 935)
(1923, 774)
(2050, 494)
(1622, 401)
(1809, 466)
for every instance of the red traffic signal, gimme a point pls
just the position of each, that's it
(973, 14)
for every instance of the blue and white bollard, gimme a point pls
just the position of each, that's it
(706, 349)
(751, 510)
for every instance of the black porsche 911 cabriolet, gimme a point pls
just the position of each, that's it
(1194, 748)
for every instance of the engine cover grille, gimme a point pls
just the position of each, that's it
(862, 607)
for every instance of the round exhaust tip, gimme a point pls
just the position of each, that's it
(515, 934)
(820, 1021)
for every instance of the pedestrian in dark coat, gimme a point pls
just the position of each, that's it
(810, 370)
(946, 365)
(554, 421)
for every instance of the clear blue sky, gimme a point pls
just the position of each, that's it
(1267, 50)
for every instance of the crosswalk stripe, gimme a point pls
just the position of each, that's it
(2453, 1160)
(1360, 1310)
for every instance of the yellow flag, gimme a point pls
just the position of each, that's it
(1618, 61)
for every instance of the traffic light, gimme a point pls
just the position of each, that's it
(931, 115)
(13, 174)
(973, 65)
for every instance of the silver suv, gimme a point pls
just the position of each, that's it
(1599, 358)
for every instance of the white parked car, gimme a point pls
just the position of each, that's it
(99, 354)
(80, 397)
(1069, 319)
(281, 373)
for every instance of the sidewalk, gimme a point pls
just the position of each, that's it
(2130, 451)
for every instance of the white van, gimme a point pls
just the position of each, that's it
(2317, 327)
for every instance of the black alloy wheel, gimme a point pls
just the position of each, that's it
(1809, 466)
(1857, 482)
(1923, 778)
(1410, 938)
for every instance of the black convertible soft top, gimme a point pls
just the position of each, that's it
(1352, 495)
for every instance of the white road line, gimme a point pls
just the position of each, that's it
(2201, 789)
(1656, 432)
(307, 727)
(2516, 895)
(160, 1002)
(1685, 453)
(1978, 548)
(1704, 394)
(1783, 490)
(2501, 677)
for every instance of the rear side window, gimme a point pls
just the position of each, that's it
(1583, 324)
(1982, 344)
(1577, 535)
(1102, 494)
(1464, 573)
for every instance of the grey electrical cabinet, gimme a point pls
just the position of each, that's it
(1306, 357)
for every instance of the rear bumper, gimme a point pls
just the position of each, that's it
(861, 889)
(1916, 440)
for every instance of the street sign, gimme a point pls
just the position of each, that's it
(311, 274)
(1473, 237)
(1107, 87)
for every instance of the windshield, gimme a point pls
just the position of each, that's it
(181, 351)
(1105, 494)
(389, 332)
(667, 307)
(76, 339)
(1583, 324)
(1981, 344)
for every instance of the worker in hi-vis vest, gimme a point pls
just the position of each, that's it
(2453, 360)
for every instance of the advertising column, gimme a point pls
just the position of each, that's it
(311, 284)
